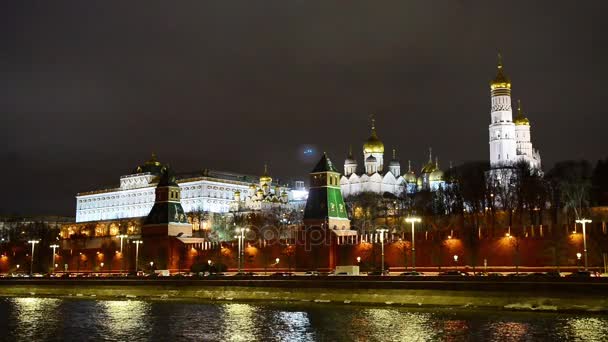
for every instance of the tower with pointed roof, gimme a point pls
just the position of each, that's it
(525, 150)
(325, 205)
(167, 216)
(503, 146)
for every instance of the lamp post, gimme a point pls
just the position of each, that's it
(54, 247)
(137, 243)
(241, 240)
(578, 261)
(413, 220)
(456, 262)
(583, 222)
(121, 237)
(382, 231)
(33, 242)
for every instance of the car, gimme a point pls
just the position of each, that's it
(244, 274)
(518, 274)
(281, 274)
(453, 273)
(412, 273)
(378, 273)
(581, 274)
(312, 273)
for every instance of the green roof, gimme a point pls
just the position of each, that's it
(324, 165)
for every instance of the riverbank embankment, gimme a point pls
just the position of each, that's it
(514, 294)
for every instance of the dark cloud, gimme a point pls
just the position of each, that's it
(88, 90)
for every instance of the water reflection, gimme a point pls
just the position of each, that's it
(124, 318)
(508, 331)
(36, 319)
(239, 322)
(588, 328)
(33, 318)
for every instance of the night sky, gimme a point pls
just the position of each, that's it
(88, 89)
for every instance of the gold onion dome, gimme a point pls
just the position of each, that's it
(501, 80)
(265, 178)
(373, 144)
(153, 166)
(437, 174)
(409, 177)
(520, 119)
(429, 166)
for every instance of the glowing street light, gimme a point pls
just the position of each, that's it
(358, 260)
(33, 242)
(54, 247)
(578, 260)
(583, 222)
(413, 220)
(456, 261)
(121, 237)
(382, 231)
(277, 260)
(241, 241)
(137, 243)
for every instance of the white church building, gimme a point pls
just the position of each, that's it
(378, 179)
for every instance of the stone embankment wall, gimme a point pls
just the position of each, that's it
(561, 295)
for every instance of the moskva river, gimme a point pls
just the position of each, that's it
(50, 319)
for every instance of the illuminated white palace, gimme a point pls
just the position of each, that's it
(377, 179)
(510, 140)
(206, 191)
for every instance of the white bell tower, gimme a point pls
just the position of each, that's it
(503, 145)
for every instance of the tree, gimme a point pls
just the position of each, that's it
(572, 179)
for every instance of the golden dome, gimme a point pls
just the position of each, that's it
(409, 176)
(429, 166)
(501, 80)
(265, 178)
(520, 119)
(373, 144)
(436, 176)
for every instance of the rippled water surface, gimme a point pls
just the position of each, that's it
(40, 319)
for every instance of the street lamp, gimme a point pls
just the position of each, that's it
(241, 241)
(456, 262)
(413, 220)
(54, 247)
(137, 243)
(33, 242)
(382, 231)
(583, 222)
(358, 260)
(101, 265)
(121, 237)
(578, 261)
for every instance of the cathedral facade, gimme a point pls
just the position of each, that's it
(377, 178)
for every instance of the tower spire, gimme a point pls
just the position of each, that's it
(430, 154)
(436, 162)
(394, 154)
(499, 60)
(350, 151)
(372, 118)
(409, 166)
